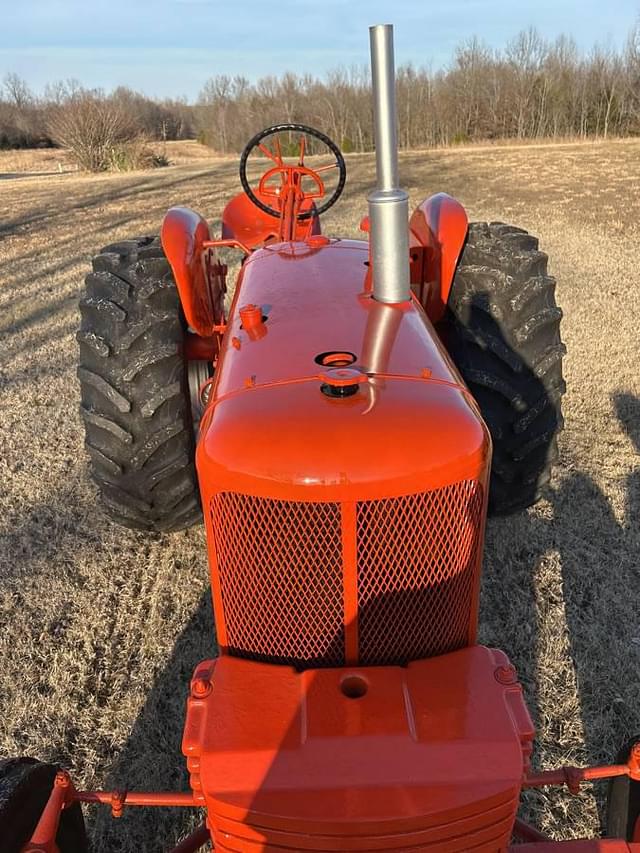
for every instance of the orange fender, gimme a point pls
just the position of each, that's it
(196, 271)
(437, 231)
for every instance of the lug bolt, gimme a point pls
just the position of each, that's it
(117, 803)
(62, 780)
(205, 392)
(506, 674)
(200, 688)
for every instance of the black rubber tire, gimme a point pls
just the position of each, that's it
(134, 396)
(25, 786)
(502, 330)
(623, 799)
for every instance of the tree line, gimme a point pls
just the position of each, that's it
(29, 121)
(530, 89)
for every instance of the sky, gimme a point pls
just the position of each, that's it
(171, 47)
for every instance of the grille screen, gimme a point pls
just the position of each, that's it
(280, 565)
(281, 576)
(417, 563)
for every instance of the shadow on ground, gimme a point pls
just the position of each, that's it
(589, 540)
(151, 758)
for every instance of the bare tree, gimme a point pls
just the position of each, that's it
(531, 89)
(91, 127)
(17, 91)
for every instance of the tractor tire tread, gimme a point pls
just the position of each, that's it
(502, 329)
(134, 395)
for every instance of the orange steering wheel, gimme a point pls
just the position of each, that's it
(291, 177)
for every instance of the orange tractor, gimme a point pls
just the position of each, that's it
(343, 429)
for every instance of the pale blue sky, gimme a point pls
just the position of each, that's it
(170, 47)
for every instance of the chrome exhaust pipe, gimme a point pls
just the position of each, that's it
(388, 204)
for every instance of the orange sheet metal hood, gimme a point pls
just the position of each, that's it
(270, 431)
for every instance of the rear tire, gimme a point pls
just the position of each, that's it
(502, 330)
(25, 786)
(623, 801)
(134, 389)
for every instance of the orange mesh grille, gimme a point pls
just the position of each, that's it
(417, 564)
(280, 566)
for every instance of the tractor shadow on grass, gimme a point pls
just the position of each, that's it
(147, 186)
(151, 758)
(561, 581)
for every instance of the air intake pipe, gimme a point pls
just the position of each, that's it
(388, 204)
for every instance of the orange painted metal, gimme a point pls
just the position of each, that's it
(197, 273)
(280, 464)
(596, 845)
(394, 344)
(437, 231)
(573, 777)
(243, 221)
(64, 794)
(348, 524)
(250, 316)
(226, 243)
(138, 798)
(43, 839)
(359, 758)
(289, 196)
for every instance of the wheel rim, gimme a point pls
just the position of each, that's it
(198, 371)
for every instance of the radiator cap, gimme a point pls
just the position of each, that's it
(341, 381)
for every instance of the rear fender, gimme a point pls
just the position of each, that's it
(437, 231)
(198, 275)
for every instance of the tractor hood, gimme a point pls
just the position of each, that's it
(282, 423)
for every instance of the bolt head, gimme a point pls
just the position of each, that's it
(200, 688)
(62, 779)
(506, 674)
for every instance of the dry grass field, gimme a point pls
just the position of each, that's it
(41, 162)
(100, 628)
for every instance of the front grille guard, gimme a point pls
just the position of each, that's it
(286, 577)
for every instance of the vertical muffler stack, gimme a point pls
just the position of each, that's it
(388, 204)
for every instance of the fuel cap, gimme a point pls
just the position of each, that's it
(250, 316)
(341, 381)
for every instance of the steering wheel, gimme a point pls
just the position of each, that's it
(298, 172)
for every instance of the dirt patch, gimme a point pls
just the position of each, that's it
(100, 628)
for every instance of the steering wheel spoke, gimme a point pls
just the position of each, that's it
(292, 177)
(267, 153)
(327, 168)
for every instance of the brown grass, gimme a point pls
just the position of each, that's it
(100, 627)
(38, 162)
